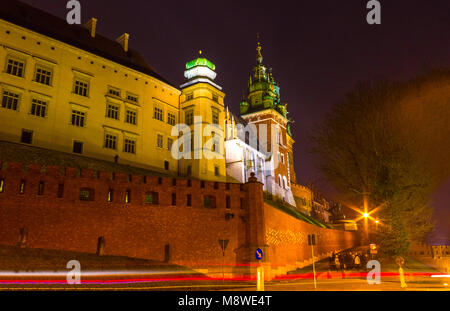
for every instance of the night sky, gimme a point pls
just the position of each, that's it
(318, 50)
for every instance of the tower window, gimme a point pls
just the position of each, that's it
(129, 145)
(216, 171)
(171, 118)
(22, 187)
(127, 196)
(77, 147)
(2, 185)
(112, 111)
(111, 141)
(159, 141)
(10, 100)
(43, 75)
(166, 165)
(131, 117)
(27, 137)
(209, 201)
(114, 92)
(227, 202)
(189, 117)
(110, 195)
(189, 170)
(78, 118)
(215, 116)
(15, 67)
(81, 87)
(158, 114)
(38, 108)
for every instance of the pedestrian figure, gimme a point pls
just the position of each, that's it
(357, 262)
(337, 263)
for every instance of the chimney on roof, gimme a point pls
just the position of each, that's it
(91, 25)
(123, 40)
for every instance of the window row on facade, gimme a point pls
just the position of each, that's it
(150, 197)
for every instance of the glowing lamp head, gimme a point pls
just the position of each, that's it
(365, 215)
(377, 221)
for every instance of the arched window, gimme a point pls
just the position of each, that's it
(247, 138)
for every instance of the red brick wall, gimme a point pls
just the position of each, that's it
(135, 229)
(287, 238)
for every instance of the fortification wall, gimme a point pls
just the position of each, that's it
(287, 240)
(134, 229)
(45, 205)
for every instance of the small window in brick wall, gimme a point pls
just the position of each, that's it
(60, 190)
(86, 194)
(202, 184)
(174, 199)
(228, 202)
(189, 200)
(216, 185)
(174, 182)
(159, 181)
(189, 183)
(127, 196)
(2, 185)
(41, 188)
(110, 195)
(227, 186)
(152, 198)
(209, 201)
(242, 203)
(22, 187)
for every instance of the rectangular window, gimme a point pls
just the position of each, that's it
(38, 108)
(215, 98)
(216, 170)
(112, 111)
(131, 117)
(110, 195)
(81, 87)
(174, 198)
(86, 194)
(2, 185)
(114, 92)
(189, 117)
(127, 196)
(166, 165)
(189, 200)
(77, 147)
(215, 116)
(41, 188)
(10, 100)
(27, 137)
(111, 141)
(159, 141)
(152, 198)
(190, 96)
(78, 118)
(132, 98)
(22, 187)
(60, 190)
(158, 114)
(227, 202)
(171, 118)
(43, 75)
(169, 144)
(129, 145)
(15, 67)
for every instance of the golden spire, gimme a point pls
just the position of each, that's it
(259, 57)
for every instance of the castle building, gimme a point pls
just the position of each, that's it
(69, 89)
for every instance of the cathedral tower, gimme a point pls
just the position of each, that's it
(263, 108)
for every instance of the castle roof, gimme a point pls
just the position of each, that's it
(31, 18)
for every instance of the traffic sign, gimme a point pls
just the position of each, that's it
(223, 245)
(259, 254)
